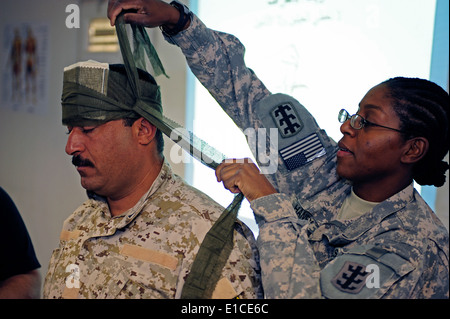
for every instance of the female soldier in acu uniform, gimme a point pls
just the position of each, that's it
(337, 220)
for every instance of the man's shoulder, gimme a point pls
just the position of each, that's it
(83, 213)
(187, 197)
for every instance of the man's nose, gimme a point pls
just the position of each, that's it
(74, 143)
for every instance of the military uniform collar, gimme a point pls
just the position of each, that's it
(124, 219)
(352, 229)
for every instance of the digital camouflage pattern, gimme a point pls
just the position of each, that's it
(306, 252)
(148, 251)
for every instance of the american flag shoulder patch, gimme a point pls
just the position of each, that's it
(302, 152)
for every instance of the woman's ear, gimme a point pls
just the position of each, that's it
(416, 149)
(144, 131)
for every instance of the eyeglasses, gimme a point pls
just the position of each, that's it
(358, 122)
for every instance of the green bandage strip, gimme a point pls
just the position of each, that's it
(212, 255)
(218, 242)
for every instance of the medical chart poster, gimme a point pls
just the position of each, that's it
(25, 67)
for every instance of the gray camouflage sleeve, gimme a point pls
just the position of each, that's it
(289, 267)
(217, 60)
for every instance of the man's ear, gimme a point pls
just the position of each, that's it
(144, 131)
(416, 148)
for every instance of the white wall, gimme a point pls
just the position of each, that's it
(34, 168)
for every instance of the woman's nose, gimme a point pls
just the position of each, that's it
(346, 128)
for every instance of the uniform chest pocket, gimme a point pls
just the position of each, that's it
(150, 273)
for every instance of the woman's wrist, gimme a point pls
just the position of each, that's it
(179, 19)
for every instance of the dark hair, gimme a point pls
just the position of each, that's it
(144, 76)
(422, 107)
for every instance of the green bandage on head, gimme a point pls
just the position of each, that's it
(95, 93)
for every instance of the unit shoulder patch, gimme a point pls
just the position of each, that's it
(352, 278)
(361, 274)
(287, 120)
(300, 140)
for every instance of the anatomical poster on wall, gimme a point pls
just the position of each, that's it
(25, 67)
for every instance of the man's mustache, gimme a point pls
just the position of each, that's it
(78, 161)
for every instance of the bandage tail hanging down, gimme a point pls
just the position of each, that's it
(218, 242)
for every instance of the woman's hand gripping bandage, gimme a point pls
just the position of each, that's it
(243, 176)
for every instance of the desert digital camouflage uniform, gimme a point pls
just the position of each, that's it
(305, 251)
(148, 251)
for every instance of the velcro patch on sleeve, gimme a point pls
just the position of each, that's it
(287, 120)
(298, 141)
(67, 235)
(361, 274)
(351, 278)
(149, 255)
(302, 152)
(224, 290)
(70, 293)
